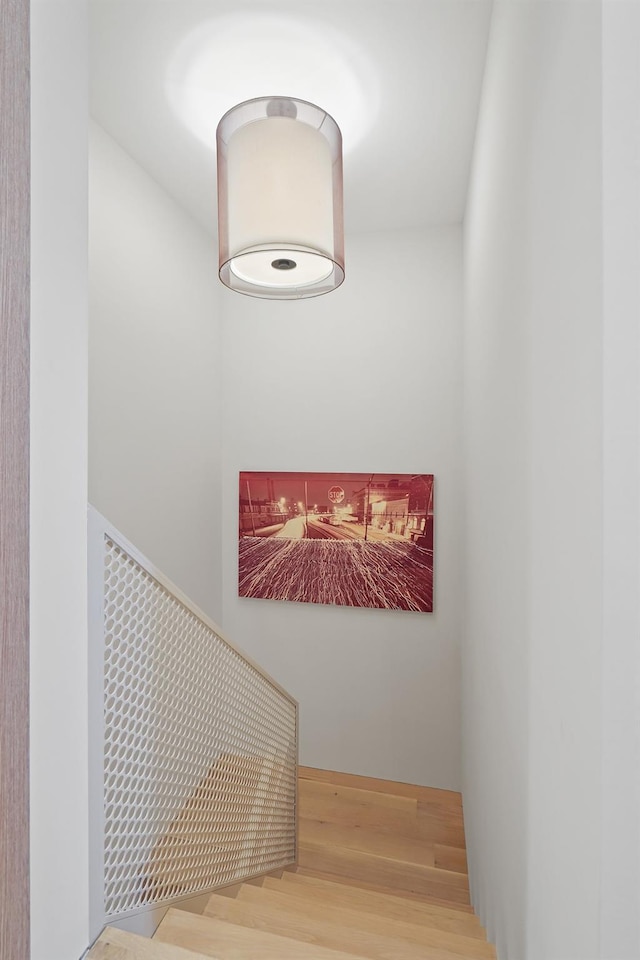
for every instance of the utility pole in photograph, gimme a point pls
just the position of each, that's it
(253, 523)
(366, 506)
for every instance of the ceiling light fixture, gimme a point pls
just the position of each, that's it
(280, 224)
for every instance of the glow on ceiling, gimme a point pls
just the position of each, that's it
(237, 57)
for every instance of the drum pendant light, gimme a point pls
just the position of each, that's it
(280, 224)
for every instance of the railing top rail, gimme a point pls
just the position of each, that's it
(97, 520)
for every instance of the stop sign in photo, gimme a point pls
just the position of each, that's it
(336, 494)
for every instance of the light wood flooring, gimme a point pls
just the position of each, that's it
(382, 874)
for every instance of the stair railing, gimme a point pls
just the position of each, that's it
(193, 747)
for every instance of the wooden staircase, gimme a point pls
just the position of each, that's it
(382, 874)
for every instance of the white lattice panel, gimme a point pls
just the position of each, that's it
(199, 750)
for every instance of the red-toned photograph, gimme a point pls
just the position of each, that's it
(351, 539)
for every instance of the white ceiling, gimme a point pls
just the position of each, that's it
(401, 77)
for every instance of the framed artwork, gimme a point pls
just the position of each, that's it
(352, 539)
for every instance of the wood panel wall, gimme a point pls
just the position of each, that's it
(14, 479)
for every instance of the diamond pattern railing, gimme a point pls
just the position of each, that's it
(198, 746)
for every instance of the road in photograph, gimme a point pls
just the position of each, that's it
(397, 575)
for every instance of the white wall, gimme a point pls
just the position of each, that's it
(565, 264)
(620, 908)
(154, 373)
(497, 538)
(59, 842)
(550, 697)
(368, 378)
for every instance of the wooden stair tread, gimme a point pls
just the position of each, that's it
(325, 932)
(450, 798)
(402, 816)
(227, 941)
(450, 858)
(371, 901)
(381, 874)
(408, 849)
(361, 884)
(289, 901)
(312, 791)
(115, 944)
(385, 871)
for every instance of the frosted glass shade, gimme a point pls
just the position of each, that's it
(280, 225)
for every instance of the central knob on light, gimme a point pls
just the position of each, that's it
(283, 264)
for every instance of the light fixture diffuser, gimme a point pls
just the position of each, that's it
(280, 224)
